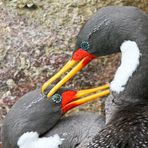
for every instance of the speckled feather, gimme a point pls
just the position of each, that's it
(127, 129)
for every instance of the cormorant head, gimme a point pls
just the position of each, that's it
(101, 35)
(66, 99)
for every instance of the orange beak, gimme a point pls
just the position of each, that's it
(71, 99)
(80, 58)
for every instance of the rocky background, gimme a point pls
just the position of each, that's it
(36, 39)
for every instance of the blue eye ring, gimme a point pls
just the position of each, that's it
(85, 45)
(56, 98)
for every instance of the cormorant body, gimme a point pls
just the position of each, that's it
(35, 113)
(128, 128)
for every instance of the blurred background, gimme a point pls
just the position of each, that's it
(36, 39)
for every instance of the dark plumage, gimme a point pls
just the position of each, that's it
(78, 129)
(103, 34)
(128, 128)
(34, 112)
(108, 28)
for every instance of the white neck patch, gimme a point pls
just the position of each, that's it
(130, 55)
(32, 140)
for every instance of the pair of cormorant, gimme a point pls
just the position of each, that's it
(110, 30)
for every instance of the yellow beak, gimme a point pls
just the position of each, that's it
(69, 64)
(71, 100)
(79, 60)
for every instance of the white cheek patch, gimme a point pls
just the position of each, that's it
(32, 140)
(130, 55)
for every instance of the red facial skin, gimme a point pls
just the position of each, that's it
(80, 54)
(68, 97)
(69, 106)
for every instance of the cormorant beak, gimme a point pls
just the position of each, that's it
(80, 58)
(71, 99)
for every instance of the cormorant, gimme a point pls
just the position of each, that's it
(35, 113)
(110, 30)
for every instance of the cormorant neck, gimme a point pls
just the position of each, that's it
(129, 62)
(137, 83)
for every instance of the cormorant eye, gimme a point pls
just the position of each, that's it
(56, 98)
(84, 45)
